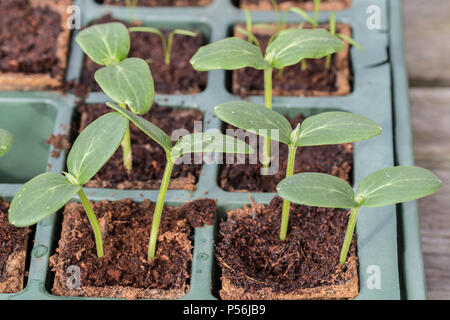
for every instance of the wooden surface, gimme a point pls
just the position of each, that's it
(427, 36)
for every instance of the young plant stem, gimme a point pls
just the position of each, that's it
(348, 235)
(94, 222)
(268, 103)
(158, 209)
(126, 150)
(287, 203)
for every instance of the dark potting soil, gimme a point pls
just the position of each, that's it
(59, 142)
(28, 38)
(332, 159)
(160, 3)
(251, 255)
(316, 78)
(178, 77)
(149, 158)
(12, 239)
(126, 228)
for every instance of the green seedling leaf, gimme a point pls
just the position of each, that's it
(253, 117)
(229, 54)
(317, 189)
(293, 45)
(183, 32)
(95, 145)
(128, 83)
(6, 140)
(105, 44)
(304, 15)
(397, 184)
(209, 142)
(351, 41)
(147, 127)
(40, 197)
(336, 127)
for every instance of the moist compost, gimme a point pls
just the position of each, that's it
(149, 158)
(178, 77)
(29, 38)
(59, 142)
(252, 257)
(295, 81)
(125, 271)
(12, 252)
(336, 160)
(160, 3)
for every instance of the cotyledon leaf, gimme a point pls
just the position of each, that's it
(209, 142)
(229, 54)
(40, 197)
(106, 43)
(293, 45)
(255, 118)
(396, 184)
(128, 83)
(6, 141)
(318, 190)
(336, 127)
(95, 145)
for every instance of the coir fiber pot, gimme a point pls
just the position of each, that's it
(379, 247)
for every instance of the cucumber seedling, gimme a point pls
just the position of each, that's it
(382, 188)
(127, 81)
(6, 141)
(196, 142)
(167, 44)
(321, 129)
(289, 48)
(47, 193)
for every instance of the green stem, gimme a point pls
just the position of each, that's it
(126, 150)
(158, 210)
(328, 62)
(268, 103)
(168, 51)
(348, 235)
(287, 203)
(94, 222)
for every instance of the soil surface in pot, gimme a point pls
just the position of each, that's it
(294, 81)
(124, 271)
(161, 3)
(12, 252)
(332, 159)
(179, 77)
(149, 158)
(252, 257)
(29, 38)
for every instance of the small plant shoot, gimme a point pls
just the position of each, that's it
(167, 44)
(321, 129)
(47, 193)
(6, 141)
(342, 36)
(127, 81)
(382, 188)
(289, 48)
(196, 142)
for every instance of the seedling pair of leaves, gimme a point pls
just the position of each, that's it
(6, 141)
(322, 129)
(47, 193)
(289, 48)
(382, 188)
(196, 142)
(127, 81)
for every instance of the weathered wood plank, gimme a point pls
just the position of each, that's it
(427, 41)
(430, 109)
